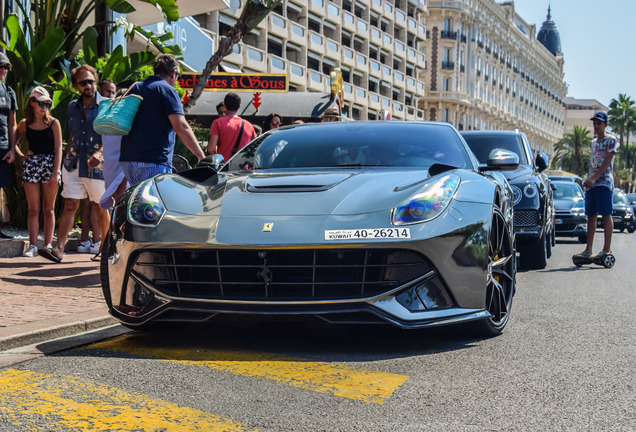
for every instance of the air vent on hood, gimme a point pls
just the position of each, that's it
(294, 182)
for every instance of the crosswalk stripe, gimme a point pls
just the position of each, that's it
(54, 402)
(330, 378)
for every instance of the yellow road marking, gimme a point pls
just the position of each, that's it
(337, 379)
(57, 401)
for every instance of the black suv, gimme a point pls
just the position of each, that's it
(534, 203)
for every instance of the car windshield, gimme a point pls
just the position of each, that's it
(354, 144)
(567, 191)
(482, 145)
(620, 198)
(631, 198)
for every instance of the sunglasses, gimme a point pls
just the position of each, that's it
(84, 83)
(44, 104)
(5, 67)
(274, 123)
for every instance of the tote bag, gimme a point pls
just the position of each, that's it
(115, 116)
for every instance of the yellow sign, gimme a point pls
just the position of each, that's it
(337, 87)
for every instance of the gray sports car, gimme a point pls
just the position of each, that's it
(357, 222)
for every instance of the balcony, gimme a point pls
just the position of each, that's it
(375, 36)
(316, 43)
(317, 81)
(254, 58)
(349, 22)
(277, 26)
(317, 6)
(297, 34)
(447, 34)
(276, 64)
(348, 57)
(448, 65)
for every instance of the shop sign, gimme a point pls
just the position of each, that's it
(238, 82)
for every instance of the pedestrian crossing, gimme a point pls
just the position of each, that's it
(65, 402)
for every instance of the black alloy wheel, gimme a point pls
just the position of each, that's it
(500, 281)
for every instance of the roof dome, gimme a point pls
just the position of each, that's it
(549, 35)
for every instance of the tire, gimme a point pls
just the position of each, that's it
(103, 271)
(500, 282)
(631, 229)
(582, 239)
(549, 244)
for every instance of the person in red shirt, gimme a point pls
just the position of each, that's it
(230, 133)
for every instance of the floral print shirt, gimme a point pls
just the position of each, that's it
(599, 151)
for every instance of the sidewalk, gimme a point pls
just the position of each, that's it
(41, 300)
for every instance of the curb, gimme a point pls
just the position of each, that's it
(14, 248)
(54, 332)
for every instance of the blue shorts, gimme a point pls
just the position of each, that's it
(598, 201)
(136, 172)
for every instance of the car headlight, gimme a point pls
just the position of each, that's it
(516, 194)
(428, 203)
(578, 211)
(145, 206)
(530, 191)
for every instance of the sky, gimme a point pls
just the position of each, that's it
(598, 43)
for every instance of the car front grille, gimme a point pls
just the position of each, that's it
(279, 274)
(525, 219)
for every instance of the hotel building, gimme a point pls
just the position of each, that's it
(474, 63)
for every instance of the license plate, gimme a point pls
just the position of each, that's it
(617, 219)
(558, 221)
(368, 234)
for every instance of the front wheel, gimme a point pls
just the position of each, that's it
(500, 280)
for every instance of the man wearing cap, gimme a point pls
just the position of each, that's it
(600, 186)
(8, 107)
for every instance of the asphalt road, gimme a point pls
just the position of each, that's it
(565, 363)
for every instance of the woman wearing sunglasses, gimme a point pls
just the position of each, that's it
(272, 121)
(41, 167)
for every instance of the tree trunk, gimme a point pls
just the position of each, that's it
(225, 48)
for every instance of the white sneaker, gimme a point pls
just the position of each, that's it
(30, 252)
(84, 247)
(95, 247)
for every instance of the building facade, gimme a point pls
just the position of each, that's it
(488, 71)
(473, 63)
(579, 112)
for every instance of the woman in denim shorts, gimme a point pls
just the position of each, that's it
(41, 164)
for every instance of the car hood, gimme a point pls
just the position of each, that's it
(566, 204)
(519, 174)
(296, 194)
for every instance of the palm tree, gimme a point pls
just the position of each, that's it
(572, 152)
(253, 13)
(621, 113)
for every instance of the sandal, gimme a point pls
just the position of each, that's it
(50, 255)
(97, 257)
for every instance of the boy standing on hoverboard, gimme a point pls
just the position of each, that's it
(599, 187)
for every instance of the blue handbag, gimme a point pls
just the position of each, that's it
(115, 116)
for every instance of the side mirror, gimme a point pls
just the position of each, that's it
(553, 186)
(214, 161)
(542, 161)
(501, 160)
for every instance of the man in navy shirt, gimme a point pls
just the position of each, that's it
(147, 150)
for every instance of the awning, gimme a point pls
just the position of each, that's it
(146, 13)
(292, 104)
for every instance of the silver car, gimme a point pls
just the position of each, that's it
(357, 222)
